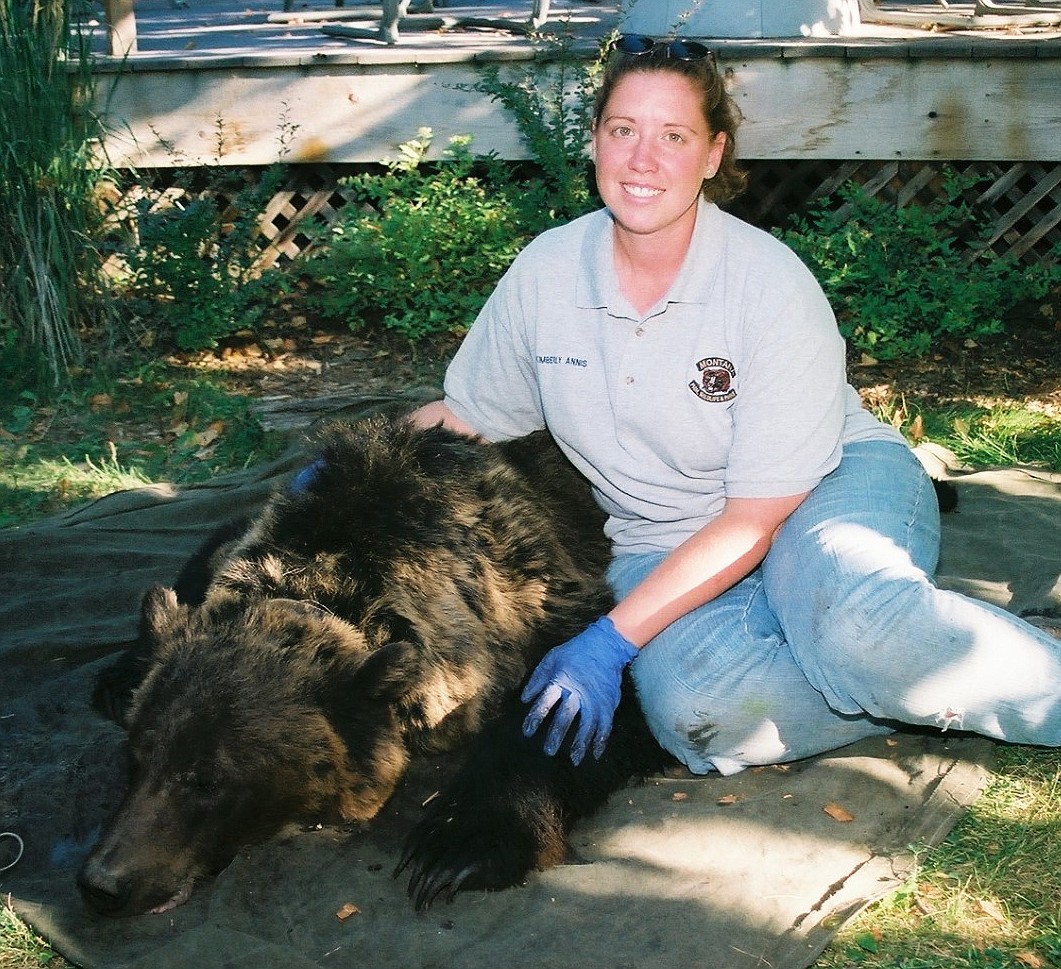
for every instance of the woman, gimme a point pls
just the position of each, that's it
(773, 541)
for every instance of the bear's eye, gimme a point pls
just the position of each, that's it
(198, 782)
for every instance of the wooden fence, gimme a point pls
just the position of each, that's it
(1020, 200)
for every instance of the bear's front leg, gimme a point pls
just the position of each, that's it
(509, 809)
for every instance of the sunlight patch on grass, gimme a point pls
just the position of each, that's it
(989, 896)
(158, 426)
(42, 485)
(1001, 436)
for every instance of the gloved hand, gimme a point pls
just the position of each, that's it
(584, 676)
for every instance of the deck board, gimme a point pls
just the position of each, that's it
(217, 81)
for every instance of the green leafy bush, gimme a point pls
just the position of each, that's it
(422, 245)
(902, 278)
(551, 104)
(419, 247)
(196, 269)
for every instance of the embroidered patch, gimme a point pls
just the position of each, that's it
(716, 380)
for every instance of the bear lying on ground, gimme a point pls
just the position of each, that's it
(392, 607)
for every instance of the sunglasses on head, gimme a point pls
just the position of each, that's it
(680, 50)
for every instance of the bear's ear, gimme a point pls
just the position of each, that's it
(295, 607)
(388, 672)
(159, 613)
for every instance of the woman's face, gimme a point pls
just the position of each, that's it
(653, 148)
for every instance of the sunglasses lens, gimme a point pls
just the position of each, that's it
(688, 50)
(633, 44)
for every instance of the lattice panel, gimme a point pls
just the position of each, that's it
(310, 199)
(1022, 200)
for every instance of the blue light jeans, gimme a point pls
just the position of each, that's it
(842, 634)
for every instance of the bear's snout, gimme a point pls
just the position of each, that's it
(110, 891)
(103, 889)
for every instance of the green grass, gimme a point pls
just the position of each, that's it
(988, 897)
(1000, 436)
(1003, 435)
(60, 452)
(51, 279)
(21, 947)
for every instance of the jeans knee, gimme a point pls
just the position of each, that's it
(852, 648)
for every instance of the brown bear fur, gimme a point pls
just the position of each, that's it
(390, 608)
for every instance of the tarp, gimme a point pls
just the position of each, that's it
(756, 869)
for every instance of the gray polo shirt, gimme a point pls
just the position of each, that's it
(732, 385)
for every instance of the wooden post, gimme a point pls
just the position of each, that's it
(121, 26)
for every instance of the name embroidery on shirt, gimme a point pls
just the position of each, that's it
(566, 361)
(716, 380)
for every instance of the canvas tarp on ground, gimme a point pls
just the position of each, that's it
(751, 870)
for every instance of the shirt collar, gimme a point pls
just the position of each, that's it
(598, 284)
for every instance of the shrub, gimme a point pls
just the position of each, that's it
(51, 281)
(902, 278)
(422, 245)
(419, 247)
(551, 104)
(196, 268)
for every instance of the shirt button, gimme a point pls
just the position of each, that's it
(640, 331)
(629, 380)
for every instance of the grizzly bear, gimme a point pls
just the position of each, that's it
(388, 606)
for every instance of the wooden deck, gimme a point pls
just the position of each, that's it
(225, 82)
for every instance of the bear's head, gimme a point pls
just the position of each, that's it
(251, 716)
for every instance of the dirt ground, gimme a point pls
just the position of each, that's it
(299, 360)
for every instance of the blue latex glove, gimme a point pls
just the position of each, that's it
(582, 677)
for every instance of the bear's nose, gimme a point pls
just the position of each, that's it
(103, 890)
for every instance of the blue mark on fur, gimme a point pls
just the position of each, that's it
(306, 478)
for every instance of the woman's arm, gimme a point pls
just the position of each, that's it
(582, 678)
(718, 556)
(437, 412)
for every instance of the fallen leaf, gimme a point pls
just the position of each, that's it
(679, 796)
(917, 428)
(99, 401)
(727, 799)
(837, 813)
(1031, 959)
(891, 742)
(346, 910)
(868, 361)
(180, 398)
(992, 910)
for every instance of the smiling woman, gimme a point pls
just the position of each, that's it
(773, 542)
